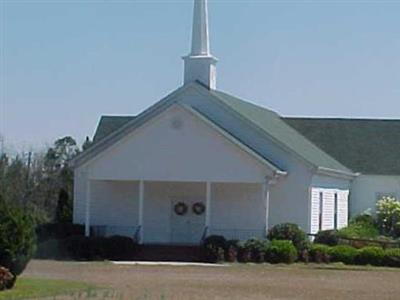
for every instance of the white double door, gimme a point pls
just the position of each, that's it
(186, 228)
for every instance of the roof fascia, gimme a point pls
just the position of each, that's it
(336, 173)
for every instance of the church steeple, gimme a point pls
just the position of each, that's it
(200, 65)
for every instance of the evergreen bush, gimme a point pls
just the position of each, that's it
(291, 232)
(17, 238)
(319, 253)
(214, 248)
(370, 256)
(392, 257)
(343, 253)
(256, 248)
(281, 251)
(327, 237)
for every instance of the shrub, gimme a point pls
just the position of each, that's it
(327, 237)
(388, 214)
(319, 253)
(370, 256)
(17, 238)
(232, 250)
(256, 248)
(7, 279)
(392, 257)
(100, 248)
(214, 248)
(291, 232)
(51, 249)
(343, 253)
(244, 254)
(58, 231)
(281, 251)
(359, 230)
(366, 219)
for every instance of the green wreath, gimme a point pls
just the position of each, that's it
(180, 208)
(198, 208)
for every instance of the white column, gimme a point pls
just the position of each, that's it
(88, 200)
(208, 204)
(141, 206)
(265, 195)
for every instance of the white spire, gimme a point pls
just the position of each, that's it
(200, 39)
(200, 64)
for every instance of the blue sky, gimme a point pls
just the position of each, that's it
(65, 63)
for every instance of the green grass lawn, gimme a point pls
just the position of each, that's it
(27, 288)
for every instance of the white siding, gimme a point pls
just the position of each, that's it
(237, 211)
(177, 146)
(366, 188)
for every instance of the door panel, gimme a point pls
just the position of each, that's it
(187, 228)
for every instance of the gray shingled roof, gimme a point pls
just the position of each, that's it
(274, 126)
(109, 124)
(363, 145)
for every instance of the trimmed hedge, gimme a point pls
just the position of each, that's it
(370, 256)
(281, 251)
(343, 253)
(392, 258)
(319, 253)
(291, 232)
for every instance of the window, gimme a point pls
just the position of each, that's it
(321, 207)
(336, 212)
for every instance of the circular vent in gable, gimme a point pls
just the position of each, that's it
(176, 123)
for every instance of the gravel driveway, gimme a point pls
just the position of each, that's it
(232, 282)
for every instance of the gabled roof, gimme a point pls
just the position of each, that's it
(109, 124)
(364, 145)
(270, 122)
(258, 118)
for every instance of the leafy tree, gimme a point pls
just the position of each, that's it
(17, 237)
(64, 208)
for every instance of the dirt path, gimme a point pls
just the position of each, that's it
(234, 282)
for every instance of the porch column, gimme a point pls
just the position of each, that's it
(265, 195)
(208, 204)
(87, 210)
(141, 203)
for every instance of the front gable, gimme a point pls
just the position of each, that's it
(176, 145)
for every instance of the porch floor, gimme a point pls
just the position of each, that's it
(167, 253)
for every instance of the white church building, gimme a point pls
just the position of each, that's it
(201, 162)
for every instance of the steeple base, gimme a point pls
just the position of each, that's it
(201, 68)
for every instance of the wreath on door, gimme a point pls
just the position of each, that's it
(198, 208)
(180, 208)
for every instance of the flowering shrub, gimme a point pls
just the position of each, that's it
(6, 279)
(388, 215)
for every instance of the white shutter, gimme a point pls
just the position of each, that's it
(343, 208)
(314, 210)
(328, 213)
